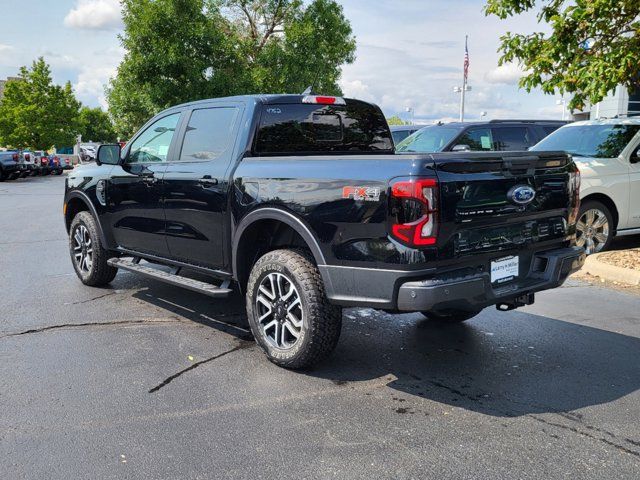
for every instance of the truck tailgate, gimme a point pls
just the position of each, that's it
(504, 202)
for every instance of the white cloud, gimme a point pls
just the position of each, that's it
(5, 51)
(91, 83)
(507, 74)
(94, 15)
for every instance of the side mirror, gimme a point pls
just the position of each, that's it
(461, 148)
(108, 154)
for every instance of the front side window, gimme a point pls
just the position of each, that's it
(476, 139)
(152, 145)
(596, 141)
(428, 140)
(511, 138)
(208, 133)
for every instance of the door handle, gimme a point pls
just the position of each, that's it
(150, 180)
(207, 181)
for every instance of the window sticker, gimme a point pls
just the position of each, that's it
(485, 142)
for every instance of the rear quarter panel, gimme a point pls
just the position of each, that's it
(350, 232)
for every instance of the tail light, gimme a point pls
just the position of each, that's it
(414, 208)
(27, 157)
(44, 160)
(15, 157)
(574, 192)
(66, 161)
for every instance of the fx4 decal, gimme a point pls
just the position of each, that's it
(368, 194)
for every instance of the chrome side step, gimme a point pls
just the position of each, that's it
(133, 265)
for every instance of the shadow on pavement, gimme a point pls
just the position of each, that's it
(499, 364)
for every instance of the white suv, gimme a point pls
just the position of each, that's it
(607, 154)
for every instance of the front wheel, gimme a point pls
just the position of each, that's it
(87, 253)
(451, 316)
(594, 229)
(289, 314)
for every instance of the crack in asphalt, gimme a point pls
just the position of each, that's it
(567, 415)
(168, 380)
(92, 299)
(88, 324)
(622, 448)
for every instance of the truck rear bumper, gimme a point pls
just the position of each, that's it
(390, 289)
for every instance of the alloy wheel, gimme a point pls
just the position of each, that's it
(279, 310)
(592, 231)
(82, 249)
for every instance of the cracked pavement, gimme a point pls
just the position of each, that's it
(144, 380)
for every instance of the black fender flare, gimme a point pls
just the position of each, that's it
(271, 213)
(84, 198)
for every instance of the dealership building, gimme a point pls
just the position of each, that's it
(621, 102)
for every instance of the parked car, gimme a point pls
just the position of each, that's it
(30, 163)
(607, 153)
(301, 202)
(489, 136)
(400, 132)
(37, 161)
(55, 165)
(11, 165)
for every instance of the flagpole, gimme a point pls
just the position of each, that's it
(464, 79)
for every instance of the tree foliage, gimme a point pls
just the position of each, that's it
(183, 50)
(396, 120)
(37, 114)
(96, 126)
(594, 45)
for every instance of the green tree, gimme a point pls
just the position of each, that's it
(594, 45)
(36, 113)
(396, 120)
(96, 126)
(183, 50)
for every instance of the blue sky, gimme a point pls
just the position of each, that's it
(410, 53)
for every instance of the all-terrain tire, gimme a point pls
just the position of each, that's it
(99, 273)
(451, 316)
(321, 321)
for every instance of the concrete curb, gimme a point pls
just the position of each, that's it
(598, 268)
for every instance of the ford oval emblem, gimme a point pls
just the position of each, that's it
(521, 194)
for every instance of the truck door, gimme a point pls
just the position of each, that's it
(135, 189)
(196, 186)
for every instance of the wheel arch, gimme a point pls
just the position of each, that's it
(279, 228)
(76, 202)
(608, 202)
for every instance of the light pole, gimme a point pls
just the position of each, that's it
(411, 111)
(562, 102)
(483, 114)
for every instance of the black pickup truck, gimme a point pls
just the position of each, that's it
(301, 202)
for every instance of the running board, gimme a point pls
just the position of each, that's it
(171, 278)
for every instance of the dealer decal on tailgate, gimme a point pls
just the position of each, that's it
(368, 194)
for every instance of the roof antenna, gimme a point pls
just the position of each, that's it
(308, 91)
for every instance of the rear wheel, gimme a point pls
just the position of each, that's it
(451, 316)
(594, 229)
(289, 314)
(87, 253)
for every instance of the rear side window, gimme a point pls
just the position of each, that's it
(549, 129)
(316, 129)
(208, 133)
(477, 139)
(512, 138)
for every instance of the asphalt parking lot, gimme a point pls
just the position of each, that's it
(144, 380)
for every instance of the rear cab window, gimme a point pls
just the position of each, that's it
(476, 139)
(299, 128)
(512, 138)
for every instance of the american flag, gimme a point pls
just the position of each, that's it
(466, 59)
